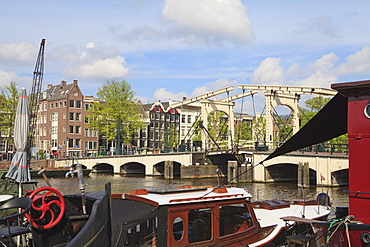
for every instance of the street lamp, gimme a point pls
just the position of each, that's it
(119, 132)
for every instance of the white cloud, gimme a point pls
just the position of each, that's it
(163, 95)
(356, 63)
(321, 72)
(209, 21)
(7, 77)
(212, 86)
(21, 53)
(97, 62)
(63, 53)
(268, 72)
(324, 25)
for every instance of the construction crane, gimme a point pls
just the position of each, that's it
(34, 98)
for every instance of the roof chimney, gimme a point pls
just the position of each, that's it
(183, 98)
(75, 82)
(50, 85)
(63, 83)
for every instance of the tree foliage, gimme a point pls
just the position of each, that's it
(259, 128)
(116, 103)
(313, 106)
(9, 96)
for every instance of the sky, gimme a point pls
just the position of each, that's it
(170, 49)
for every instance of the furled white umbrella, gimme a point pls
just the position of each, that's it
(19, 168)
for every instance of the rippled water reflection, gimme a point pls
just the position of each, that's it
(260, 191)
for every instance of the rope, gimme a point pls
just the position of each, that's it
(340, 222)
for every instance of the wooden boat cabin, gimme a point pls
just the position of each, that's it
(200, 216)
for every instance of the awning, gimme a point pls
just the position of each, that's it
(328, 123)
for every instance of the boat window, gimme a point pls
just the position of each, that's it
(234, 218)
(199, 225)
(367, 111)
(144, 234)
(178, 228)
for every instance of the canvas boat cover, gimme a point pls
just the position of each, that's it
(330, 122)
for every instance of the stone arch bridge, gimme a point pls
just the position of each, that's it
(319, 169)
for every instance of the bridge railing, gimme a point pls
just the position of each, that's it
(318, 148)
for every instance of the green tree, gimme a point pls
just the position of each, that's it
(313, 106)
(116, 103)
(8, 100)
(218, 127)
(259, 128)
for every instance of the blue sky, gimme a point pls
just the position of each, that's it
(174, 48)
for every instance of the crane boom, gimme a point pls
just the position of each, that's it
(34, 97)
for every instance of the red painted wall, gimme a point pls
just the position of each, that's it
(359, 158)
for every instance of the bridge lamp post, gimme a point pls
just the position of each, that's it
(119, 132)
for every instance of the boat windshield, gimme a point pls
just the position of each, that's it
(234, 218)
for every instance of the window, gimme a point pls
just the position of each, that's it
(64, 116)
(75, 94)
(189, 118)
(54, 130)
(54, 117)
(51, 105)
(78, 129)
(71, 116)
(71, 128)
(78, 143)
(54, 143)
(60, 104)
(182, 118)
(78, 103)
(78, 116)
(65, 103)
(234, 218)
(367, 111)
(87, 106)
(70, 143)
(71, 103)
(45, 106)
(199, 225)
(178, 228)
(64, 129)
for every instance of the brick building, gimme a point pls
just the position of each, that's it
(61, 124)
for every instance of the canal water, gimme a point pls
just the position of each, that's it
(260, 191)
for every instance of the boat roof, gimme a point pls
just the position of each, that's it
(188, 195)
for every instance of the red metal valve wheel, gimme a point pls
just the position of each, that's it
(48, 207)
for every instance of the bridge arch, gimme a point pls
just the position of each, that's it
(133, 168)
(287, 173)
(340, 177)
(159, 169)
(103, 168)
